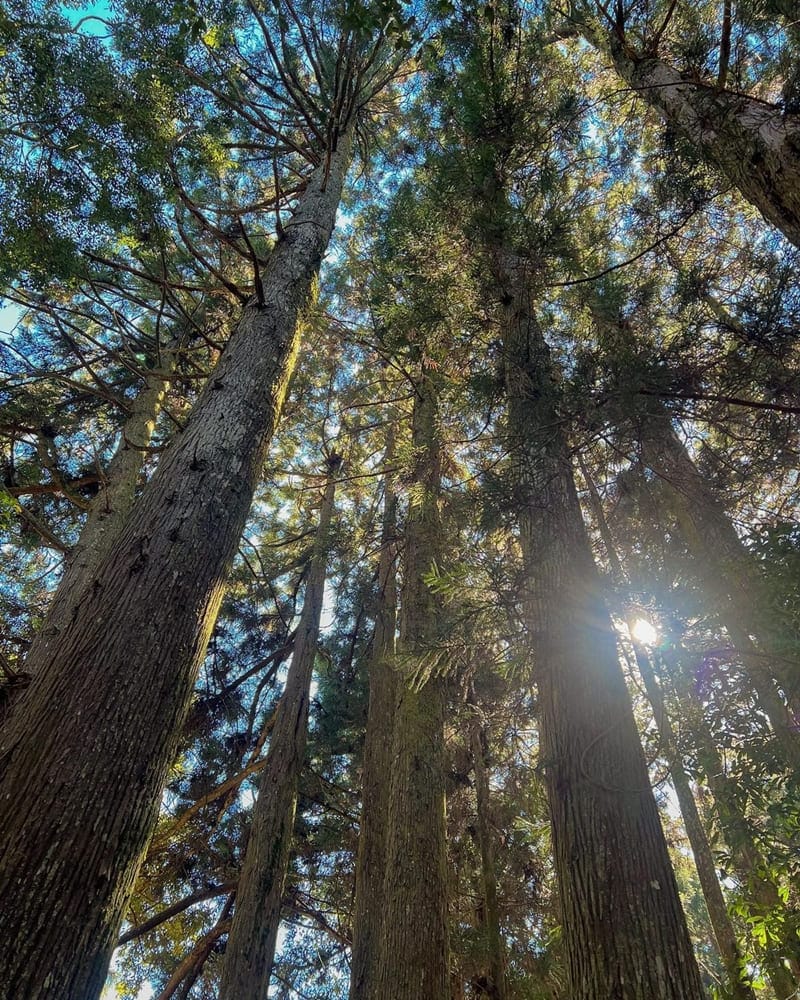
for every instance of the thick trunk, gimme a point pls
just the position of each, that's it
(724, 933)
(624, 928)
(414, 951)
(739, 987)
(754, 145)
(495, 987)
(96, 732)
(727, 570)
(109, 510)
(247, 965)
(371, 862)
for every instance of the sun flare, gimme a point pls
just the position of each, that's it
(644, 632)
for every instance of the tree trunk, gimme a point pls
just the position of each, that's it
(109, 510)
(753, 144)
(739, 987)
(247, 965)
(496, 980)
(192, 964)
(95, 734)
(728, 573)
(750, 867)
(377, 768)
(624, 928)
(414, 951)
(724, 933)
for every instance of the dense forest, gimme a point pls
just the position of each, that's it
(400, 587)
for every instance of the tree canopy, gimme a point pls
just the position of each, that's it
(401, 579)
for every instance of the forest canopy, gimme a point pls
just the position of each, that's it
(399, 506)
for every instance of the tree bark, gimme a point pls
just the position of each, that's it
(754, 145)
(377, 768)
(414, 950)
(247, 965)
(496, 980)
(624, 929)
(724, 933)
(96, 732)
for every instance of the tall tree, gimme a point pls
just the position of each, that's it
(625, 930)
(112, 505)
(617, 886)
(728, 572)
(369, 905)
(249, 955)
(496, 981)
(110, 732)
(413, 950)
(752, 142)
(724, 932)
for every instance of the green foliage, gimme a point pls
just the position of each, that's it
(148, 171)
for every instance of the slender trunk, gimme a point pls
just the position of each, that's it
(96, 732)
(413, 957)
(247, 965)
(109, 510)
(624, 929)
(192, 964)
(727, 570)
(754, 145)
(749, 864)
(371, 862)
(495, 987)
(728, 573)
(739, 987)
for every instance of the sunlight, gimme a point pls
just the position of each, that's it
(644, 632)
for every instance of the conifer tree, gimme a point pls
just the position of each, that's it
(154, 599)
(712, 92)
(606, 828)
(259, 896)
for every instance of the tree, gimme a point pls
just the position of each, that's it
(608, 843)
(413, 949)
(529, 273)
(749, 140)
(369, 906)
(201, 490)
(254, 929)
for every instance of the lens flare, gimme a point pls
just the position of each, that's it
(644, 632)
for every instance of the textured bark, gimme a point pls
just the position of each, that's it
(247, 965)
(414, 952)
(754, 145)
(724, 933)
(96, 732)
(739, 987)
(109, 510)
(728, 573)
(377, 768)
(624, 929)
(495, 986)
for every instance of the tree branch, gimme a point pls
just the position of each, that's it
(754, 404)
(174, 909)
